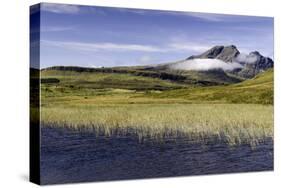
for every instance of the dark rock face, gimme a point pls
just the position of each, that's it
(263, 62)
(212, 53)
(251, 69)
(224, 53)
(228, 53)
(252, 64)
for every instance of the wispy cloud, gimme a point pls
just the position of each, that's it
(60, 8)
(103, 46)
(71, 9)
(213, 17)
(245, 58)
(207, 16)
(121, 47)
(189, 47)
(181, 41)
(146, 60)
(204, 16)
(135, 11)
(56, 28)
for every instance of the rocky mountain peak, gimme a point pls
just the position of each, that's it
(255, 53)
(228, 53)
(224, 53)
(252, 64)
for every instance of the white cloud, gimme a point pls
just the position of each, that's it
(204, 65)
(95, 66)
(123, 47)
(207, 16)
(215, 17)
(55, 28)
(135, 11)
(60, 8)
(145, 60)
(189, 47)
(71, 9)
(248, 59)
(103, 46)
(204, 16)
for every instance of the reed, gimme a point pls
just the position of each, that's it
(231, 123)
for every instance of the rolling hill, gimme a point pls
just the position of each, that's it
(258, 90)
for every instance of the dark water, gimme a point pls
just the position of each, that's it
(69, 156)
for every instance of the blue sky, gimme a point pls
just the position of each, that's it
(98, 36)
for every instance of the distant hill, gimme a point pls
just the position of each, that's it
(197, 78)
(193, 86)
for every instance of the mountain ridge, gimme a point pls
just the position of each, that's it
(252, 63)
(224, 53)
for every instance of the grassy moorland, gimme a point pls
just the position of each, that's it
(153, 107)
(258, 90)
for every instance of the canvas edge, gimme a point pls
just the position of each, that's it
(34, 95)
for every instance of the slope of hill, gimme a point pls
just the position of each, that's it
(75, 81)
(258, 90)
(199, 78)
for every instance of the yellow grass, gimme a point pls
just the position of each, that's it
(231, 123)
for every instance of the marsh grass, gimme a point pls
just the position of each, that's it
(230, 123)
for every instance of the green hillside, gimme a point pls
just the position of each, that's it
(73, 80)
(198, 78)
(258, 90)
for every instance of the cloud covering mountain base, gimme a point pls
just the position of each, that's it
(205, 65)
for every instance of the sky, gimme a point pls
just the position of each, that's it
(91, 36)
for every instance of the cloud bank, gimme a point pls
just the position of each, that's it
(205, 64)
(247, 59)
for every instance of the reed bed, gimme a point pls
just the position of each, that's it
(231, 123)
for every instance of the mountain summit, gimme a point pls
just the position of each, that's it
(224, 53)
